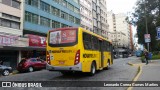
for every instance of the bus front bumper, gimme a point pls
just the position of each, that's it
(77, 67)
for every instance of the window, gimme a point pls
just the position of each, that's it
(15, 4)
(12, 3)
(9, 23)
(64, 25)
(55, 24)
(77, 21)
(64, 3)
(7, 2)
(64, 15)
(76, 1)
(34, 60)
(15, 25)
(6, 23)
(95, 45)
(45, 21)
(55, 11)
(71, 18)
(57, 1)
(35, 18)
(30, 17)
(87, 41)
(70, 6)
(32, 2)
(10, 17)
(76, 10)
(45, 7)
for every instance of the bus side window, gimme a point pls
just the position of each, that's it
(87, 41)
(95, 43)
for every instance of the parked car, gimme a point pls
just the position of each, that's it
(31, 64)
(5, 70)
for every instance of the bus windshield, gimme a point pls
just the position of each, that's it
(62, 37)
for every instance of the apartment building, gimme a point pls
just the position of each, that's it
(11, 17)
(123, 26)
(86, 14)
(11, 27)
(103, 16)
(96, 17)
(119, 27)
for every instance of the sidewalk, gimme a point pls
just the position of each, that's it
(150, 72)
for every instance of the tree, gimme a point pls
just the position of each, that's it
(147, 10)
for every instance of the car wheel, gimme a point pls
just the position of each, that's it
(5, 72)
(30, 69)
(93, 69)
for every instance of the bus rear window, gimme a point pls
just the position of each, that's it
(62, 37)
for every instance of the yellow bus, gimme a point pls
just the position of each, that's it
(76, 49)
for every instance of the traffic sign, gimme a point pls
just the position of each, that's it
(158, 33)
(147, 38)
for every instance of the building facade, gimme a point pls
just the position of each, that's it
(96, 17)
(44, 15)
(119, 28)
(25, 22)
(86, 14)
(11, 27)
(123, 26)
(103, 16)
(11, 17)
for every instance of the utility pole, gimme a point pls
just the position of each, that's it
(146, 24)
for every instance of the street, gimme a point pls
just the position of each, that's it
(119, 71)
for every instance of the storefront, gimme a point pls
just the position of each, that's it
(13, 48)
(8, 52)
(36, 48)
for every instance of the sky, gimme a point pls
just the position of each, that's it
(120, 6)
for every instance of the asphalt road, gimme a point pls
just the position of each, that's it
(119, 71)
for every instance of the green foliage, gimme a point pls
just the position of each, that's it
(147, 10)
(156, 57)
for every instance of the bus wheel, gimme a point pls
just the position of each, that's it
(93, 69)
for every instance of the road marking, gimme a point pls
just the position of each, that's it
(138, 74)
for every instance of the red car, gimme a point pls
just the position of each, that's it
(31, 64)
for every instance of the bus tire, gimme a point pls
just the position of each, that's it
(93, 69)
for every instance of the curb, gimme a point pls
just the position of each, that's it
(14, 72)
(130, 64)
(136, 76)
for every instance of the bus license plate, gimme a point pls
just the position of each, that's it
(61, 62)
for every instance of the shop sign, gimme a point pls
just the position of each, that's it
(37, 41)
(7, 40)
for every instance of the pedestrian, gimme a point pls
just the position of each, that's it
(146, 54)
